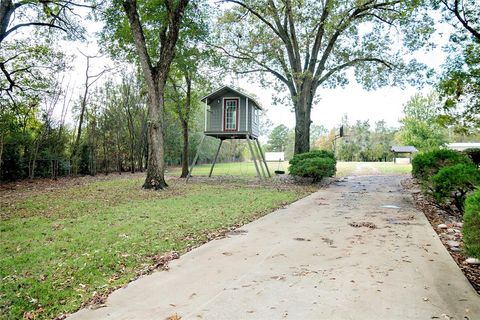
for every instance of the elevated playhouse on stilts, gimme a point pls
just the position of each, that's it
(232, 114)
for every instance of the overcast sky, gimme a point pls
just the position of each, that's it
(382, 104)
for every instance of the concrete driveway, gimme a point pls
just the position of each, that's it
(357, 250)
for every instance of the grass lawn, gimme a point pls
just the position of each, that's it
(60, 246)
(343, 168)
(246, 169)
(371, 168)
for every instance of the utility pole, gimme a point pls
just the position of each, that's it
(337, 136)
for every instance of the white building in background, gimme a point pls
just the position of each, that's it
(275, 156)
(460, 146)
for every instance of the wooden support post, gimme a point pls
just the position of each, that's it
(260, 162)
(195, 159)
(263, 157)
(253, 156)
(215, 159)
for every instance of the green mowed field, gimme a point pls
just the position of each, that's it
(343, 169)
(61, 246)
(371, 168)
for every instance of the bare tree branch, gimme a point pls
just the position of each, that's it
(349, 64)
(460, 14)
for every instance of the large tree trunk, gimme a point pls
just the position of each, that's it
(1, 152)
(155, 78)
(155, 162)
(185, 150)
(303, 108)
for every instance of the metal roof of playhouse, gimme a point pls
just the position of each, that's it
(219, 92)
(403, 149)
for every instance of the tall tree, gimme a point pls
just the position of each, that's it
(459, 86)
(277, 139)
(315, 132)
(310, 44)
(382, 140)
(420, 127)
(90, 79)
(186, 78)
(463, 14)
(154, 34)
(43, 17)
(184, 109)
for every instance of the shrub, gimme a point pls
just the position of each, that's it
(471, 225)
(312, 154)
(316, 164)
(453, 183)
(474, 155)
(428, 164)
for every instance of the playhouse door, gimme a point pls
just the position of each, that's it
(230, 112)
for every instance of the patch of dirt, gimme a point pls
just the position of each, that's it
(448, 227)
(22, 189)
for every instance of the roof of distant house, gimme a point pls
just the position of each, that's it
(403, 149)
(219, 92)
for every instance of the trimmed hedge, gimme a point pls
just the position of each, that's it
(471, 225)
(428, 164)
(453, 183)
(316, 164)
(312, 154)
(474, 155)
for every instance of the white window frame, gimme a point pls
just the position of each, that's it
(256, 116)
(237, 113)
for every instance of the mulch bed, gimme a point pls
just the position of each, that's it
(454, 222)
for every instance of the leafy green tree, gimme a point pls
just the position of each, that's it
(277, 139)
(154, 34)
(307, 45)
(459, 86)
(290, 144)
(315, 132)
(419, 125)
(29, 70)
(187, 84)
(462, 14)
(22, 60)
(382, 141)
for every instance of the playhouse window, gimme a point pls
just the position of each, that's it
(230, 114)
(256, 115)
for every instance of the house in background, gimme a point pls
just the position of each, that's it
(462, 146)
(403, 150)
(232, 114)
